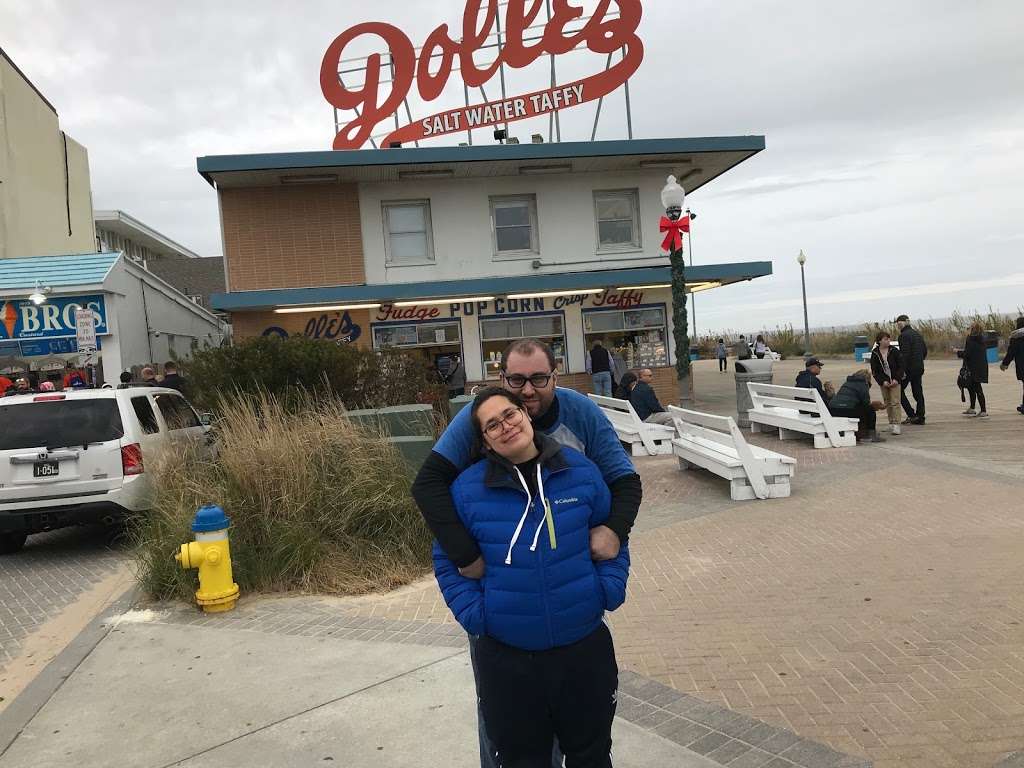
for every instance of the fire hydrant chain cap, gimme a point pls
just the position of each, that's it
(210, 518)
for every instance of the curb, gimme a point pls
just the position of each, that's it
(26, 705)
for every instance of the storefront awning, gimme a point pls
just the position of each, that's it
(89, 269)
(704, 276)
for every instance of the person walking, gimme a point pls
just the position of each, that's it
(913, 353)
(455, 379)
(742, 348)
(544, 654)
(723, 356)
(599, 366)
(975, 357)
(172, 378)
(854, 400)
(529, 370)
(887, 369)
(1015, 353)
(760, 347)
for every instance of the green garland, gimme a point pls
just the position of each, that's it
(680, 323)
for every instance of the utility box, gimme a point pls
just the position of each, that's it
(992, 346)
(861, 349)
(457, 403)
(757, 371)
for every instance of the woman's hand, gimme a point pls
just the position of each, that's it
(474, 570)
(604, 543)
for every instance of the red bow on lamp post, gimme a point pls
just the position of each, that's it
(674, 239)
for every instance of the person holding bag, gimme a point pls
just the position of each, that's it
(975, 357)
(545, 656)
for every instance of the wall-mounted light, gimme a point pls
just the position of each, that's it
(554, 294)
(436, 173)
(703, 287)
(38, 296)
(668, 165)
(312, 178)
(643, 287)
(337, 308)
(431, 302)
(538, 170)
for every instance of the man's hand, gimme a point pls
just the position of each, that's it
(474, 570)
(604, 543)
(1003, 367)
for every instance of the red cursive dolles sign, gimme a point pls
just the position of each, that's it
(600, 34)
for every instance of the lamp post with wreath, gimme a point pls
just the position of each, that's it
(674, 224)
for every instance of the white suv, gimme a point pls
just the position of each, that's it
(79, 456)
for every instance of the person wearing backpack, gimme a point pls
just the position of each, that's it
(887, 370)
(1015, 353)
(975, 358)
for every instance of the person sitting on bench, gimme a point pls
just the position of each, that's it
(645, 402)
(854, 400)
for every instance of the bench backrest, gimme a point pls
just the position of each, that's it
(619, 412)
(794, 398)
(718, 429)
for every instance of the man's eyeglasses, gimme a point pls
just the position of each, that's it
(513, 417)
(537, 380)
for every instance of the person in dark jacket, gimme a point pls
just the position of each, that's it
(887, 370)
(172, 378)
(975, 357)
(645, 401)
(626, 385)
(808, 379)
(913, 352)
(1015, 353)
(854, 400)
(545, 657)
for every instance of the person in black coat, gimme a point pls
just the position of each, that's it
(1015, 353)
(854, 400)
(975, 357)
(887, 370)
(914, 352)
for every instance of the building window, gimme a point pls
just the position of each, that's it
(496, 333)
(407, 233)
(618, 215)
(196, 299)
(433, 341)
(514, 226)
(639, 336)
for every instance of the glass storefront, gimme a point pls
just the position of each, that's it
(431, 340)
(639, 336)
(496, 333)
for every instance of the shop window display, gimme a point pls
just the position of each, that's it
(639, 336)
(498, 333)
(431, 340)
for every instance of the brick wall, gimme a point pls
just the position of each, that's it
(292, 237)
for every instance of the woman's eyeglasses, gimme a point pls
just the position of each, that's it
(537, 380)
(513, 417)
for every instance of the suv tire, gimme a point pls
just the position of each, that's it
(12, 542)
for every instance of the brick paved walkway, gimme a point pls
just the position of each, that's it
(878, 610)
(52, 571)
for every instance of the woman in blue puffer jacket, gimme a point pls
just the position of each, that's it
(545, 656)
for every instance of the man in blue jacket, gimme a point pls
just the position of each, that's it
(571, 419)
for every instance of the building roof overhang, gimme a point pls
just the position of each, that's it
(695, 161)
(706, 276)
(56, 272)
(133, 229)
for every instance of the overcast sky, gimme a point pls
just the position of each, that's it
(895, 129)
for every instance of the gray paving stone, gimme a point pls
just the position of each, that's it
(729, 751)
(808, 754)
(753, 758)
(709, 743)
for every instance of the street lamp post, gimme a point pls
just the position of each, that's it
(693, 298)
(674, 224)
(801, 259)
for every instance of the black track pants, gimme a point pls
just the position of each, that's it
(530, 697)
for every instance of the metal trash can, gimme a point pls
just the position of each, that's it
(694, 353)
(757, 371)
(861, 349)
(992, 346)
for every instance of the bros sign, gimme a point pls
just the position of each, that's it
(602, 33)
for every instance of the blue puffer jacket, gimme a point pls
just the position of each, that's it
(537, 593)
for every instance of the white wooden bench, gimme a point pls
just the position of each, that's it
(780, 408)
(643, 439)
(717, 444)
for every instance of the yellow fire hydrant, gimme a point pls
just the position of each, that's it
(211, 554)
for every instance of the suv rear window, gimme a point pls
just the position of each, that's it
(59, 424)
(176, 412)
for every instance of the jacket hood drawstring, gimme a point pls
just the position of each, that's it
(526, 512)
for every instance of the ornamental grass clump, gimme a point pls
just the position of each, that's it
(316, 504)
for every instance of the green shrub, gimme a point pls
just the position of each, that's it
(315, 504)
(290, 368)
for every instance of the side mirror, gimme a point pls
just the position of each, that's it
(206, 419)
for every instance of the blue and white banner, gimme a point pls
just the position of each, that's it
(54, 319)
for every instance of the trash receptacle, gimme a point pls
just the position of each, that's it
(694, 353)
(757, 371)
(861, 349)
(992, 346)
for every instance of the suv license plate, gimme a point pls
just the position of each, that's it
(45, 469)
